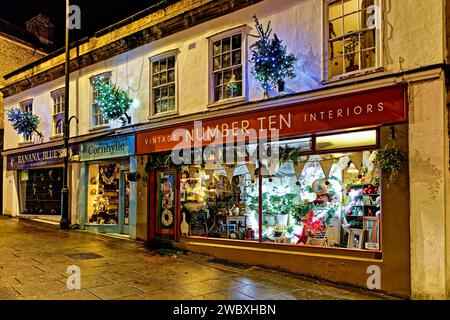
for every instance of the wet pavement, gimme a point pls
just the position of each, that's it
(34, 261)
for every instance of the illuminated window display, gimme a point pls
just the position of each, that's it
(328, 200)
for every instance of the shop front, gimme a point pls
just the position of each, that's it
(39, 176)
(295, 187)
(106, 192)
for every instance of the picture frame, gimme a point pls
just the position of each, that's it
(355, 238)
(371, 228)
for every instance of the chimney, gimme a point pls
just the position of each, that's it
(42, 28)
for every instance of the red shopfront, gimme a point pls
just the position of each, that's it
(324, 202)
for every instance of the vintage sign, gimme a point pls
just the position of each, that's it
(106, 149)
(39, 158)
(370, 108)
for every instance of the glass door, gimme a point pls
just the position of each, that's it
(124, 207)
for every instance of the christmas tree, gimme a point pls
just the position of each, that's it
(271, 62)
(113, 101)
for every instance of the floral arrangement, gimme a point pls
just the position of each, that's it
(113, 101)
(23, 122)
(390, 160)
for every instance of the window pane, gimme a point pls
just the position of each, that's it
(162, 78)
(155, 80)
(172, 104)
(347, 140)
(336, 67)
(350, 6)
(227, 94)
(335, 10)
(163, 65)
(237, 74)
(237, 42)
(226, 60)
(352, 62)
(238, 90)
(368, 59)
(226, 45)
(351, 23)
(156, 67)
(237, 57)
(216, 48)
(171, 62)
(171, 92)
(171, 74)
(335, 28)
(227, 76)
(217, 79)
(366, 3)
(218, 93)
(367, 39)
(217, 63)
(335, 49)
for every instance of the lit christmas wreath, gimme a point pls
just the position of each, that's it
(167, 218)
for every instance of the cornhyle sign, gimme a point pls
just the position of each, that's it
(113, 148)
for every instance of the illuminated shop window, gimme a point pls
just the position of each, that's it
(352, 36)
(347, 140)
(58, 111)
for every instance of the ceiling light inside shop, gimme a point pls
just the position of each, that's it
(347, 140)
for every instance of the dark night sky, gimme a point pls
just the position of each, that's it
(96, 14)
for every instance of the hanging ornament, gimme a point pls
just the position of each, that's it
(251, 169)
(230, 174)
(356, 158)
(326, 167)
(298, 168)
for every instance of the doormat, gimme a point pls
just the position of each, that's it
(84, 256)
(229, 264)
(169, 252)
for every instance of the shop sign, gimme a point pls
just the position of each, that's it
(113, 148)
(365, 109)
(38, 158)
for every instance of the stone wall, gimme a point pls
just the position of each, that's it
(13, 56)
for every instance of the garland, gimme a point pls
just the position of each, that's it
(113, 101)
(24, 122)
(109, 180)
(271, 62)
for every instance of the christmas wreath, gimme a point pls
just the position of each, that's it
(167, 218)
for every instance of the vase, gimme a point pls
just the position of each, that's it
(282, 219)
(270, 220)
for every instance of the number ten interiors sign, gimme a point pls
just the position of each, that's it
(113, 148)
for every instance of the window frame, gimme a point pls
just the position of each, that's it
(60, 93)
(164, 55)
(379, 31)
(106, 123)
(24, 139)
(244, 31)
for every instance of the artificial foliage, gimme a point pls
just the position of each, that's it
(390, 160)
(113, 101)
(23, 122)
(271, 62)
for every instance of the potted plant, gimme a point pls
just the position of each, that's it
(351, 45)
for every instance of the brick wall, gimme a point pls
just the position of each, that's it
(12, 57)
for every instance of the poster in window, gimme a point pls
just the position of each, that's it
(166, 204)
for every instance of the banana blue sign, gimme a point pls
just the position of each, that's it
(113, 148)
(39, 158)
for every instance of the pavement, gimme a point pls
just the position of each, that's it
(34, 260)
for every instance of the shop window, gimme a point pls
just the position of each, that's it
(352, 36)
(104, 194)
(220, 202)
(227, 60)
(164, 88)
(40, 191)
(58, 111)
(347, 140)
(97, 118)
(27, 106)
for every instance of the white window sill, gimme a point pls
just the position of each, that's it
(25, 143)
(100, 128)
(353, 75)
(226, 102)
(159, 116)
(57, 137)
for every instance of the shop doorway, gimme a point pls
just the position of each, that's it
(124, 205)
(165, 206)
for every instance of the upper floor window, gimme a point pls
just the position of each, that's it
(164, 84)
(59, 107)
(352, 36)
(27, 106)
(97, 118)
(227, 54)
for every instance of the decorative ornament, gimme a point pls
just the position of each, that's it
(298, 168)
(167, 218)
(113, 101)
(271, 62)
(109, 180)
(24, 122)
(326, 167)
(230, 174)
(356, 158)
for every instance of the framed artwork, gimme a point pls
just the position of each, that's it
(355, 238)
(372, 233)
